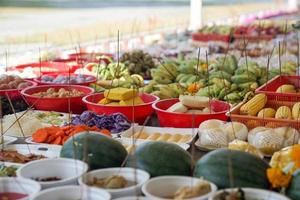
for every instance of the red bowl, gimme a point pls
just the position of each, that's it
(38, 80)
(16, 93)
(57, 104)
(47, 67)
(183, 120)
(141, 112)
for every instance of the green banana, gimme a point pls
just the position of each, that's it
(184, 79)
(180, 76)
(191, 80)
(220, 74)
(162, 80)
(222, 93)
(243, 78)
(243, 86)
(164, 73)
(232, 97)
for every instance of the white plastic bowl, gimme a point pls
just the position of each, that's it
(253, 193)
(166, 186)
(69, 170)
(19, 185)
(71, 192)
(129, 174)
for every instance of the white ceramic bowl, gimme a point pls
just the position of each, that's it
(253, 193)
(160, 188)
(72, 192)
(69, 170)
(129, 174)
(19, 185)
(133, 198)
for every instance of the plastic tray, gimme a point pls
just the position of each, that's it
(151, 130)
(254, 121)
(271, 86)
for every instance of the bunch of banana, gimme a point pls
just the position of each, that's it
(165, 73)
(186, 79)
(110, 71)
(228, 64)
(168, 91)
(129, 81)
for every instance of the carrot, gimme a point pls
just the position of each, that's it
(65, 128)
(59, 133)
(51, 138)
(65, 138)
(106, 132)
(40, 136)
(52, 130)
(57, 141)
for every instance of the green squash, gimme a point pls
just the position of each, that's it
(97, 150)
(293, 190)
(247, 170)
(161, 158)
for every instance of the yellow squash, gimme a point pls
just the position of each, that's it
(267, 112)
(296, 111)
(283, 112)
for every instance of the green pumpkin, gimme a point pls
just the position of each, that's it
(161, 158)
(247, 170)
(293, 190)
(97, 150)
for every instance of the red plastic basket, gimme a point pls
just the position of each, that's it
(210, 37)
(254, 121)
(183, 120)
(271, 86)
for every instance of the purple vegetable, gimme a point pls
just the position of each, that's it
(115, 123)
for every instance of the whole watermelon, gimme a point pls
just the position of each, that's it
(293, 190)
(161, 158)
(97, 150)
(230, 168)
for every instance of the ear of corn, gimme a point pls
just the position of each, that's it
(286, 88)
(267, 112)
(283, 112)
(254, 105)
(296, 111)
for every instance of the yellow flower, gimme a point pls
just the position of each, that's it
(277, 178)
(296, 155)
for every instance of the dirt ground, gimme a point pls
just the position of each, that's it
(27, 28)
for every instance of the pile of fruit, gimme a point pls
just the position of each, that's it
(8, 82)
(66, 79)
(121, 97)
(257, 107)
(221, 30)
(138, 62)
